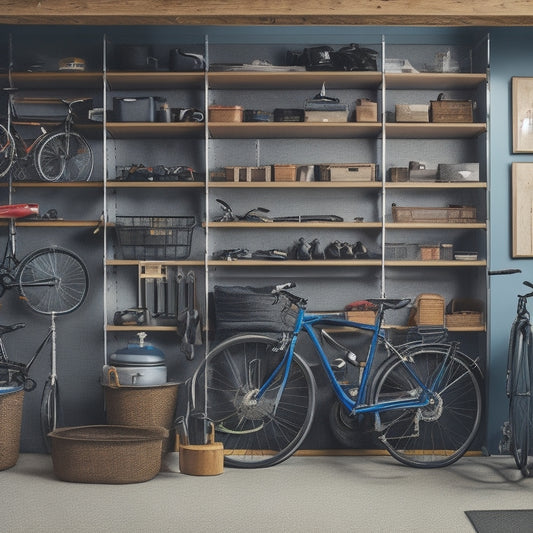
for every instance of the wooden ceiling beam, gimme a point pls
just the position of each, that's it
(261, 12)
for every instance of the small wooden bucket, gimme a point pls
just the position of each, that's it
(201, 459)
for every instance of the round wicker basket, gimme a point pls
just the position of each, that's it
(11, 402)
(142, 406)
(107, 454)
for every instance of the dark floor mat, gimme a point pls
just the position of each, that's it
(517, 521)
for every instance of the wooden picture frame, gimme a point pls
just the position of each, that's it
(522, 96)
(522, 209)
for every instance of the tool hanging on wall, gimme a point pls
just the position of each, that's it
(188, 317)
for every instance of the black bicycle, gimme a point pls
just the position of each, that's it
(58, 155)
(518, 430)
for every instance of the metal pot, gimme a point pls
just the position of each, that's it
(135, 57)
(138, 364)
(180, 61)
(134, 376)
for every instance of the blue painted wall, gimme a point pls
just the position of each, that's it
(510, 56)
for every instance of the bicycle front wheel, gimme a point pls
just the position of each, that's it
(53, 280)
(440, 433)
(64, 156)
(520, 397)
(7, 150)
(256, 432)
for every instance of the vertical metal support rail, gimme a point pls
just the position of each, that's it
(104, 169)
(383, 162)
(207, 325)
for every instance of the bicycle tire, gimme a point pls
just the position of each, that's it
(436, 435)
(255, 433)
(7, 150)
(49, 410)
(520, 395)
(53, 280)
(64, 156)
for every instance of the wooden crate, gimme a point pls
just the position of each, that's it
(428, 310)
(248, 173)
(399, 174)
(363, 317)
(451, 111)
(412, 113)
(459, 214)
(429, 252)
(285, 172)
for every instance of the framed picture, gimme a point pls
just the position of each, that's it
(522, 94)
(522, 209)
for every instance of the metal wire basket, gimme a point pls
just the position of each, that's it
(155, 238)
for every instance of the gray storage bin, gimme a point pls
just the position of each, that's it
(134, 109)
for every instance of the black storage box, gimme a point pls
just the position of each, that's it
(134, 109)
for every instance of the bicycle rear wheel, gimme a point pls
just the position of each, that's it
(520, 397)
(440, 433)
(64, 157)
(53, 280)
(7, 150)
(255, 432)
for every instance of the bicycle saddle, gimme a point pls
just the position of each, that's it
(18, 210)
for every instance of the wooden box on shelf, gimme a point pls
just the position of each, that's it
(362, 317)
(248, 173)
(285, 172)
(428, 310)
(451, 111)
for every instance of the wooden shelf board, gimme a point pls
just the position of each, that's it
(433, 80)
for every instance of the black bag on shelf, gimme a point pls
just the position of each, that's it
(251, 310)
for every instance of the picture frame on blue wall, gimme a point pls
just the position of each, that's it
(522, 209)
(522, 109)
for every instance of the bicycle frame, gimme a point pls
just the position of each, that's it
(361, 405)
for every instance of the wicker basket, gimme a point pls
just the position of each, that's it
(107, 454)
(11, 401)
(142, 406)
(428, 310)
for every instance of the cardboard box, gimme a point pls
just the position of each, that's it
(285, 172)
(326, 116)
(220, 113)
(365, 110)
(412, 113)
(348, 172)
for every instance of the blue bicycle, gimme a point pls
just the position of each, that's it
(424, 398)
